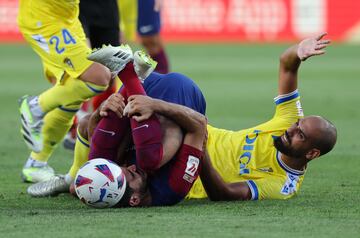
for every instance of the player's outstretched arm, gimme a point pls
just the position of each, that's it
(194, 123)
(217, 189)
(290, 61)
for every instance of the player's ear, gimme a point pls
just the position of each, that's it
(312, 154)
(134, 200)
(132, 168)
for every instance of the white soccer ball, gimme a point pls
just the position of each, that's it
(100, 183)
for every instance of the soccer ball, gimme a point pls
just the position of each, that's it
(100, 183)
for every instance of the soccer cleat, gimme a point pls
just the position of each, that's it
(144, 65)
(37, 174)
(113, 57)
(53, 187)
(31, 125)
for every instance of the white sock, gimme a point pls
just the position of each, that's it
(68, 178)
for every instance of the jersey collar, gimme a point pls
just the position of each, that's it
(287, 168)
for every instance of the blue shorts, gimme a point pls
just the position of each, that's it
(175, 88)
(149, 22)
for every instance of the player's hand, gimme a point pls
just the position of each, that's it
(312, 46)
(115, 103)
(139, 107)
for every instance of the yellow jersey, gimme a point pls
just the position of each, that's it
(66, 11)
(250, 156)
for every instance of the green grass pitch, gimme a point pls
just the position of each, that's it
(239, 83)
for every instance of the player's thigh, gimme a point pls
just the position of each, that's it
(61, 47)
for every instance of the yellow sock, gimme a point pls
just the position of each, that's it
(81, 154)
(68, 92)
(56, 124)
(128, 18)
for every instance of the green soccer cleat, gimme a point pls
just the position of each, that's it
(113, 57)
(144, 65)
(31, 125)
(52, 187)
(37, 174)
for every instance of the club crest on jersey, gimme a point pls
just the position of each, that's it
(68, 62)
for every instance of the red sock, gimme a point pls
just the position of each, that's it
(107, 137)
(147, 135)
(131, 81)
(162, 60)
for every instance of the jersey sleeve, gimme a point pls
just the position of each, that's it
(172, 182)
(274, 187)
(288, 106)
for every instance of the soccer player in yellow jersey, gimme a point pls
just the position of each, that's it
(54, 32)
(268, 161)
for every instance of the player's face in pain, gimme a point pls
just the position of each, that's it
(136, 178)
(296, 141)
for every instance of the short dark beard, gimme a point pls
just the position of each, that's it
(286, 150)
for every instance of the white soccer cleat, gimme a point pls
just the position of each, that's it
(54, 186)
(37, 174)
(113, 57)
(144, 65)
(31, 125)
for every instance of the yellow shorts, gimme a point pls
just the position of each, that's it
(61, 46)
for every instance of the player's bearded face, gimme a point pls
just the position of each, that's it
(284, 145)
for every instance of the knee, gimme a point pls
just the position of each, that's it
(97, 74)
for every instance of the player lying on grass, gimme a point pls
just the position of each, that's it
(165, 167)
(268, 161)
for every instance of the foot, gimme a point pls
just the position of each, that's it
(31, 125)
(113, 57)
(144, 65)
(53, 187)
(37, 174)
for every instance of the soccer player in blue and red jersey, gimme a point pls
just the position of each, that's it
(171, 165)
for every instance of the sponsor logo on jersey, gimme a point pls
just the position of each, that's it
(290, 184)
(299, 109)
(192, 165)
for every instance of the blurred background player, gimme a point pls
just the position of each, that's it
(54, 31)
(100, 21)
(145, 17)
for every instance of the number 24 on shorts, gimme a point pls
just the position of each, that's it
(66, 38)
